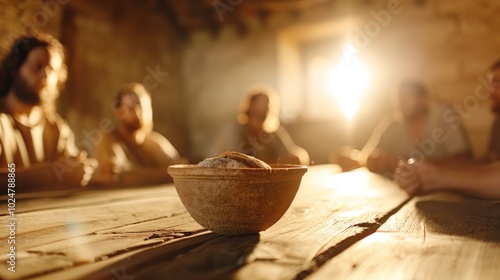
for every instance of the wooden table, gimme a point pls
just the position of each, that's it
(354, 225)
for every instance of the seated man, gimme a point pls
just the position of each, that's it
(133, 154)
(38, 143)
(418, 130)
(259, 132)
(478, 179)
(494, 145)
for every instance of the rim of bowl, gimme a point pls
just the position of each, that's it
(188, 170)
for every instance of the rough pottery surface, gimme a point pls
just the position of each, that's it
(236, 201)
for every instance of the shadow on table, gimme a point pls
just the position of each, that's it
(478, 219)
(218, 258)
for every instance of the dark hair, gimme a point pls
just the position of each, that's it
(272, 121)
(134, 89)
(495, 65)
(256, 95)
(9, 67)
(419, 88)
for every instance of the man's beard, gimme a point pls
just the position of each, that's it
(25, 93)
(495, 107)
(132, 127)
(415, 115)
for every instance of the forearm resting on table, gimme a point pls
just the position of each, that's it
(145, 176)
(47, 176)
(136, 176)
(481, 181)
(375, 160)
(463, 159)
(290, 159)
(380, 162)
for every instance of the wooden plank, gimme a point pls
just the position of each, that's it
(30, 202)
(328, 215)
(50, 240)
(180, 222)
(59, 266)
(115, 266)
(51, 225)
(440, 236)
(91, 248)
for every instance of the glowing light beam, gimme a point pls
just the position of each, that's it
(349, 81)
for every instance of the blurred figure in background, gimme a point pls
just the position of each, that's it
(474, 178)
(258, 132)
(494, 79)
(38, 142)
(134, 154)
(418, 129)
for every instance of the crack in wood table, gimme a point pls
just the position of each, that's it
(354, 225)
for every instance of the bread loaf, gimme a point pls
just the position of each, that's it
(234, 160)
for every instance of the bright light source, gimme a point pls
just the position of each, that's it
(349, 81)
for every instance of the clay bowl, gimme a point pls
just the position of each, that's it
(236, 201)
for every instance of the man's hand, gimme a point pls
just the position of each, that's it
(419, 177)
(407, 177)
(89, 166)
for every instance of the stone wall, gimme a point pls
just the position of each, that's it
(446, 44)
(108, 44)
(24, 16)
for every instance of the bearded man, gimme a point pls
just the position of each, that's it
(35, 144)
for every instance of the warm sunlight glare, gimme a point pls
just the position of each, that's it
(349, 81)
